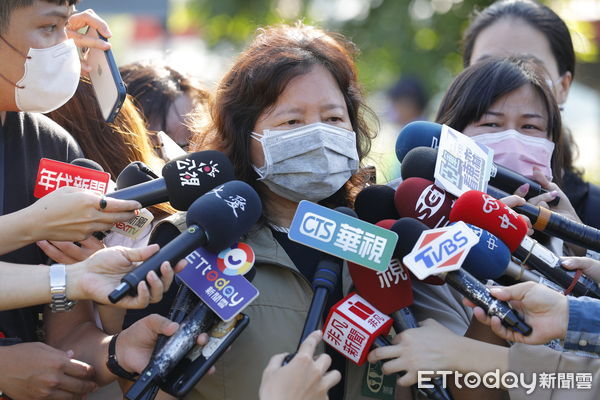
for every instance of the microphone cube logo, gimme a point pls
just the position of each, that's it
(221, 287)
(54, 174)
(440, 250)
(318, 227)
(189, 171)
(430, 201)
(352, 326)
(342, 236)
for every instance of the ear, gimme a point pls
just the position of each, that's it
(562, 89)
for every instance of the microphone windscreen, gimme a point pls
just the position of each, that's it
(190, 176)
(409, 230)
(419, 163)
(346, 210)
(482, 210)
(135, 173)
(416, 134)
(489, 258)
(375, 203)
(421, 199)
(87, 163)
(225, 213)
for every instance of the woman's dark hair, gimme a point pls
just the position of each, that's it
(479, 86)
(533, 13)
(261, 73)
(155, 86)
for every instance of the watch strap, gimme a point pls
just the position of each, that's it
(113, 365)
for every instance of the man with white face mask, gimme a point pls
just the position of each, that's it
(39, 72)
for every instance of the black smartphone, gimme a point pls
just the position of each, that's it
(106, 79)
(198, 361)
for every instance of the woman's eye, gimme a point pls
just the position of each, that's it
(529, 126)
(50, 28)
(334, 119)
(291, 122)
(490, 124)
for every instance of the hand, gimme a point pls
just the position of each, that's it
(68, 252)
(546, 311)
(73, 214)
(429, 347)
(304, 378)
(88, 18)
(589, 266)
(563, 207)
(37, 371)
(517, 200)
(96, 277)
(135, 344)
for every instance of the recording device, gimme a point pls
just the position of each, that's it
(482, 210)
(215, 220)
(410, 230)
(184, 179)
(106, 79)
(427, 134)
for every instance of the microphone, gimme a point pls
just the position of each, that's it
(215, 220)
(184, 179)
(135, 173)
(421, 199)
(554, 224)
(325, 280)
(375, 203)
(87, 163)
(482, 210)
(420, 162)
(417, 134)
(410, 230)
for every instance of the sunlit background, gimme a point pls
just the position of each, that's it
(396, 38)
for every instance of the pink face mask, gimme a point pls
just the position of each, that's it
(518, 152)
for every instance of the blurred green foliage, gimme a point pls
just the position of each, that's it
(395, 37)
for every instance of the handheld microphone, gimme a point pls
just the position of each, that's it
(421, 163)
(215, 220)
(461, 280)
(556, 225)
(135, 173)
(482, 210)
(184, 180)
(421, 199)
(375, 203)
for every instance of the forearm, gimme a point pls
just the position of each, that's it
(28, 285)
(15, 231)
(474, 356)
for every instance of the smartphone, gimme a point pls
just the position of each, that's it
(106, 79)
(182, 379)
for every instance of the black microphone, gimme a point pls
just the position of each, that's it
(556, 225)
(135, 173)
(184, 180)
(375, 203)
(215, 220)
(87, 163)
(461, 280)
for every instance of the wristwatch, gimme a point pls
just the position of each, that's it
(58, 289)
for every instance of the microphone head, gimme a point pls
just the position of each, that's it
(409, 230)
(192, 175)
(421, 199)
(389, 290)
(375, 203)
(419, 163)
(489, 258)
(225, 213)
(416, 134)
(482, 210)
(346, 210)
(135, 173)
(87, 163)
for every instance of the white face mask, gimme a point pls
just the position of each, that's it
(307, 163)
(51, 77)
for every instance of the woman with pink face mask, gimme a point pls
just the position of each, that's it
(506, 104)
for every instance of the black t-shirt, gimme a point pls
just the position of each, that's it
(27, 138)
